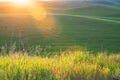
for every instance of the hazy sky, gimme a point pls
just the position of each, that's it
(22, 0)
(49, 0)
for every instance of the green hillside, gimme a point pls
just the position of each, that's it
(93, 27)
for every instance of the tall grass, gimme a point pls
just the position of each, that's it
(76, 65)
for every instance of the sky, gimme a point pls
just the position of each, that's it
(51, 0)
(20, 0)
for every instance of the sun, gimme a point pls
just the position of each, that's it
(21, 2)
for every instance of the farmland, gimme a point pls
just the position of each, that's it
(90, 26)
(60, 41)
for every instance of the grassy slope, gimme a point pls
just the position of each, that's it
(93, 26)
(75, 65)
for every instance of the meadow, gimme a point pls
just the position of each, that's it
(94, 27)
(60, 41)
(70, 65)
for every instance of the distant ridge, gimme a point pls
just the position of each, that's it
(108, 2)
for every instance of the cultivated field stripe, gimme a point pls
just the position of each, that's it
(87, 5)
(72, 8)
(83, 16)
(90, 17)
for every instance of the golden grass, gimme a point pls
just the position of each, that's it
(77, 65)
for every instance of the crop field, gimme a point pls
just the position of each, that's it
(60, 41)
(71, 65)
(94, 27)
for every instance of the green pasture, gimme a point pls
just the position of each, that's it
(94, 27)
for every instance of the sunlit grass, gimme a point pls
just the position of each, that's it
(77, 65)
